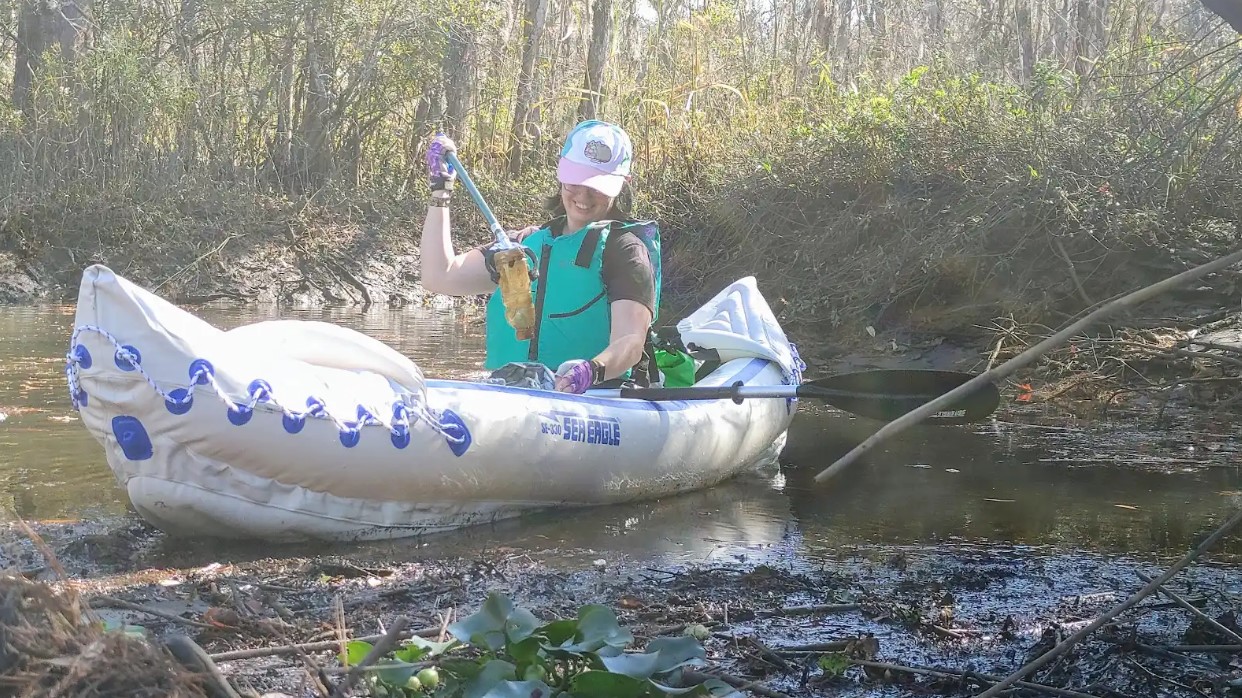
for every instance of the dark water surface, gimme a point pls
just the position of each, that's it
(1131, 485)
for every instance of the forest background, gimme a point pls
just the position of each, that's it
(928, 166)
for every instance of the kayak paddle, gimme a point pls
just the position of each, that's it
(883, 394)
(493, 225)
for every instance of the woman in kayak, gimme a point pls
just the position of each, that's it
(597, 287)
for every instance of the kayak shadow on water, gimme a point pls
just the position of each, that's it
(987, 483)
(746, 517)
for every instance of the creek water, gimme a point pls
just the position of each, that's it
(1135, 484)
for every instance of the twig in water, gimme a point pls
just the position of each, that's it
(381, 648)
(1190, 607)
(1224, 649)
(831, 646)
(810, 610)
(767, 653)
(131, 606)
(737, 682)
(1158, 677)
(954, 673)
(1116, 610)
(1030, 355)
(312, 646)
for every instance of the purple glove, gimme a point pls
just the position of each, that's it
(439, 172)
(577, 375)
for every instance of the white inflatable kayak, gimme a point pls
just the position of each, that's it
(290, 430)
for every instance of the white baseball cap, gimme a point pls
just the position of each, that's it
(597, 154)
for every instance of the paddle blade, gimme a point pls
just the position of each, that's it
(889, 393)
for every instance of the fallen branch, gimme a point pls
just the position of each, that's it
(811, 610)
(831, 646)
(193, 264)
(1021, 360)
(1222, 649)
(1190, 607)
(1139, 595)
(381, 648)
(313, 646)
(954, 673)
(697, 677)
(106, 601)
(191, 656)
(767, 653)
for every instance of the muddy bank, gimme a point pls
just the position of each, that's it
(196, 243)
(229, 244)
(864, 621)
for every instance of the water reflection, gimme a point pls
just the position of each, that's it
(1010, 483)
(51, 468)
(993, 483)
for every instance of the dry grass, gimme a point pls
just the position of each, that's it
(53, 649)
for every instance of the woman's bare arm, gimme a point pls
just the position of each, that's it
(445, 271)
(630, 323)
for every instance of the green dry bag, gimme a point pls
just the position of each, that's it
(677, 367)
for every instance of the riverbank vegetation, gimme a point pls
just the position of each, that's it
(960, 167)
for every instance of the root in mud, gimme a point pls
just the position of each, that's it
(51, 646)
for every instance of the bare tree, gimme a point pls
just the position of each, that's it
(458, 75)
(532, 30)
(597, 60)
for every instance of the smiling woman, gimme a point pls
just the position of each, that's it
(595, 270)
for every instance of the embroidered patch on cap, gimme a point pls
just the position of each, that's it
(597, 151)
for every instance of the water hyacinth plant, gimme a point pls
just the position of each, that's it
(502, 651)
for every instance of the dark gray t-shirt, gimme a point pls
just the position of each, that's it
(627, 271)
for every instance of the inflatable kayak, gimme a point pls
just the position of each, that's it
(288, 429)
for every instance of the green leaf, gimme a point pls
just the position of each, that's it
(833, 664)
(521, 689)
(605, 684)
(520, 625)
(716, 687)
(639, 666)
(355, 651)
(490, 674)
(495, 623)
(396, 676)
(409, 653)
(429, 648)
(662, 656)
(558, 632)
(674, 652)
(486, 627)
(125, 628)
(598, 631)
(527, 651)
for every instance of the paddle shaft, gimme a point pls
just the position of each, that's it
(738, 392)
(464, 177)
(877, 394)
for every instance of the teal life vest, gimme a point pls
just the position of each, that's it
(573, 315)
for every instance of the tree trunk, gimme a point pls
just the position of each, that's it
(532, 30)
(1026, 38)
(34, 23)
(314, 156)
(187, 129)
(458, 71)
(597, 60)
(283, 150)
